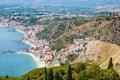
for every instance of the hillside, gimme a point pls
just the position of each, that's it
(105, 28)
(79, 71)
(100, 52)
(57, 27)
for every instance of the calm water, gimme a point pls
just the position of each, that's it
(11, 63)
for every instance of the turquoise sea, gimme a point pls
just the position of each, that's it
(11, 63)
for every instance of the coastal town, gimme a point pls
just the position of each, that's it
(41, 52)
(78, 47)
(60, 40)
(87, 49)
(40, 49)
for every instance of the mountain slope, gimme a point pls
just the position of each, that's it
(89, 70)
(100, 53)
(101, 28)
(106, 28)
(79, 71)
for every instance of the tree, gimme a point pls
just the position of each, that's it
(50, 74)
(28, 78)
(110, 65)
(69, 73)
(79, 67)
(57, 77)
(6, 76)
(61, 72)
(81, 75)
(45, 73)
(110, 74)
(82, 66)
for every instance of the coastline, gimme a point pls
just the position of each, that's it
(25, 41)
(28, 43)
(40, 62)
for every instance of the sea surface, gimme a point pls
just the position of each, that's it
(11, 63)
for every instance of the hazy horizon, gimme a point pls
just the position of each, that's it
(63, 2)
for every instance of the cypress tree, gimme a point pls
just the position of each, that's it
(6, 76)
(69, 73)
(57, 77)
(81, 75)
(82, 66)
(45, 73)
(28, 78)
(110, 65)
(50, 75)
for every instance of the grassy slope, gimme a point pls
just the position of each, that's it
(100, 52)
(38, 74)
(90, 72)
(8, 78)
(57, 27)
(103, 30)
(106, 28)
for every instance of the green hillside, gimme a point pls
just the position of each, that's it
(79, 71)
(57, 27)
(61, 31)
(104, 28)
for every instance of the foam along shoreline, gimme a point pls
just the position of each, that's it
(20, 31)
(4, 25)
(25, 41)
(39, 62)
(30, 44)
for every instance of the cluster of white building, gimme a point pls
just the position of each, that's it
(78, 47)
(40, 48)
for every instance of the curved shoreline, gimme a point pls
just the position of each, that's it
(39, 62)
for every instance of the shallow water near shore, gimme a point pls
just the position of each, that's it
(11, 63)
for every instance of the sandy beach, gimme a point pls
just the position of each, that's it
(30, 44)
(4, 25)
(20, 31)
(39, 62)
(25, 41)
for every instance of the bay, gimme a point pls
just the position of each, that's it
(13, 64)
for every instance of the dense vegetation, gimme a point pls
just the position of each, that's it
(57, 27)
(61, 33)
(79, 71)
